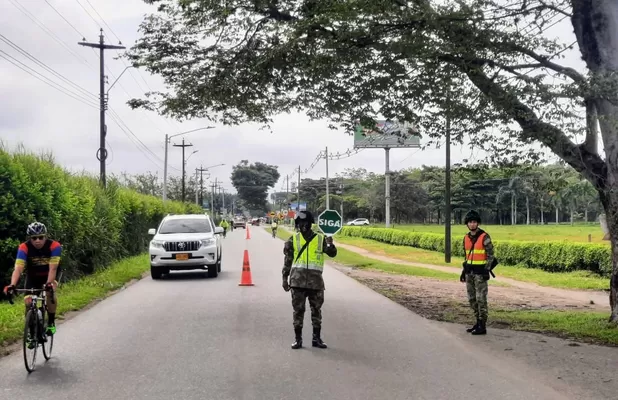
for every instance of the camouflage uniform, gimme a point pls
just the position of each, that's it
(305, 283)
(476, 282)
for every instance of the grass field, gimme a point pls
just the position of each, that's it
(583, 280)
(571, 233)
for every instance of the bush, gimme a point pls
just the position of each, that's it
(548, 256)
(96, 226)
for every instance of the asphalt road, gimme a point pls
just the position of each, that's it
(190, 337)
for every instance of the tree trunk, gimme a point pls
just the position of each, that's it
(542, 211)
(557, 216)
(527, 210)
(572, 212)
(586, 214)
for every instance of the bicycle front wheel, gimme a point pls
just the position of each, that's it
(30, 344)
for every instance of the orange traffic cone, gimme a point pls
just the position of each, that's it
(245, 278)
(248, 232)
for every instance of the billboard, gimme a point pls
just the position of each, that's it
(386, 134)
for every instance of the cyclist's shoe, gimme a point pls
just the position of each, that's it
(51, 330)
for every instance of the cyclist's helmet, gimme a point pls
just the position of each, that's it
(472, 216)
(36, 228)
(304, 216)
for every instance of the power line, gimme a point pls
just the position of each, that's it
(42, 64)
(49, 32)
(46, 80)
(65, 20)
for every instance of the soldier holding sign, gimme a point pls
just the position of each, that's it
(303, 265)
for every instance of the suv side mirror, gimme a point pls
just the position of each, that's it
(218, 230)
(152, 231)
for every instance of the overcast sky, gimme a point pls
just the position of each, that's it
(43, 118)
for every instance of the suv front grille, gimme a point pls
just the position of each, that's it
(193, 245)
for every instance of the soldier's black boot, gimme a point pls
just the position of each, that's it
(480, 329)
(474, 327)
(317, 340)
(299, 338)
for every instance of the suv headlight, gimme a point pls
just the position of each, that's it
(157, 243)
(208, 242)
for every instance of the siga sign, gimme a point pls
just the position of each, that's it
(330, 222)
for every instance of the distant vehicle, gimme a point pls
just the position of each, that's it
(185, 242)
(255, 222)
(240, 223)
(359, 222)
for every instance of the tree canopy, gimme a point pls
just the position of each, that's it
(485, 64)
(514, 194)
(252, 182)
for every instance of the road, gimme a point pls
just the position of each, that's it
(191, 337)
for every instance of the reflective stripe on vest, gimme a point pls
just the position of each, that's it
(477, 255)
(312, 257)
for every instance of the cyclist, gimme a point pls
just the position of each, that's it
(274, 226)
(39, 257)
(224, 225)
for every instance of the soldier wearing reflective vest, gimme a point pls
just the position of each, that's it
(476, 269)
(302, 274)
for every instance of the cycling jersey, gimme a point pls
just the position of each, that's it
(36, 261)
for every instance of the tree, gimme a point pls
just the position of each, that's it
(417, 61)
(252, 182)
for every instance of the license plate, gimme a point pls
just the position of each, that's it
(182, 256)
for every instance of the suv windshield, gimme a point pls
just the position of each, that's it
(186, 226)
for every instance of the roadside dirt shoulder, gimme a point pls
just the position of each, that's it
(586, 371)
(575, 298)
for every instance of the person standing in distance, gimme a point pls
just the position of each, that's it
(303, 265)
(479, 252)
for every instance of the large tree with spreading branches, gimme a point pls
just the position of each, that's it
(482, 64)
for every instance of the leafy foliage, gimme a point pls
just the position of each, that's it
(252, 182)
(548, 256)
(151, 184)
(96, 226)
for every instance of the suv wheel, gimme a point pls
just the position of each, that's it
(213, 270)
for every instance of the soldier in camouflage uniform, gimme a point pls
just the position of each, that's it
(479, 260)
(303, 265)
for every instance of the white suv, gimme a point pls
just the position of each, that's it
(185, 242)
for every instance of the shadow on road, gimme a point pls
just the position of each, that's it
(188, 275)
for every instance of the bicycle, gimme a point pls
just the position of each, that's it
(35, 327)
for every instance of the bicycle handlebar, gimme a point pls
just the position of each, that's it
(31, 291)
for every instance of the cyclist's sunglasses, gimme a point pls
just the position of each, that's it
(40, 237)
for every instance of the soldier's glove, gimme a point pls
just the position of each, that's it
(286, 285)
(485, 275)
(462, 277)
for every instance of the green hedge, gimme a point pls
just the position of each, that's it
(548, 256)
(96, 226)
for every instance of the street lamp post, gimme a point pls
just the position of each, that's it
(167, 141)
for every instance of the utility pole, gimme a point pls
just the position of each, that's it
(212, 196)
(327, 194)
(447, 194)
(298, 191)
(287, 193)
(223, 199)
(196, 197)
(201, 171)
(183, 145)
(102, 153)
(387, 189)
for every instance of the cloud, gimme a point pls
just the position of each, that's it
(43, 118)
